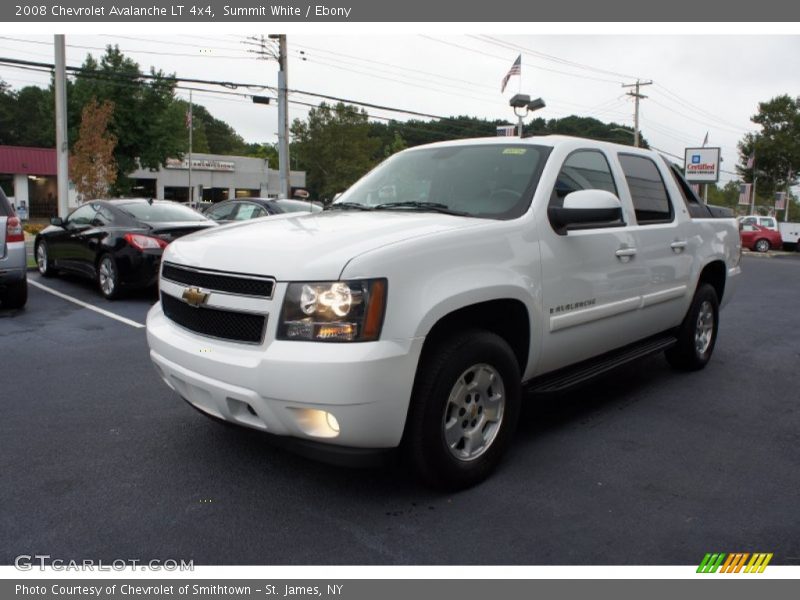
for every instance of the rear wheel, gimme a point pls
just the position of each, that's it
(762, 245)
(16, 294)
(108, 277)
(464, 409)
(698, 332)
(43, 262)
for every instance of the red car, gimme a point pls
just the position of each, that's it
(760, 239)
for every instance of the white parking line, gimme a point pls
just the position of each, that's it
(96, 309)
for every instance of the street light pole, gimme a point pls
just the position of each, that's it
(524, 101)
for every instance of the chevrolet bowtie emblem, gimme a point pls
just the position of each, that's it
(194, 296)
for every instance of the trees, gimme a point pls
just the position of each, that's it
(776, 146)
(92, 167)
(335, 147)
(147, 127)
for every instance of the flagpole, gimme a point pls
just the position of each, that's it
(753, 202)
(191, 127)
(788, 188)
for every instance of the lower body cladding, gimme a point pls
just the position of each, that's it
(343, 395)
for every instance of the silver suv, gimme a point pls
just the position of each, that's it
(13, 269)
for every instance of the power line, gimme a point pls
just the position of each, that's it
(549, 57)
(505, 59)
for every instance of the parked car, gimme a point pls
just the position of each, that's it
(413, 311)
(13, 263)
(242, 209)
(118, 243)
(758, 238)
(767, 222)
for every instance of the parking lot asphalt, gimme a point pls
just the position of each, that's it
(98, 459)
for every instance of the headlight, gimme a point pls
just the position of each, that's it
(333, 311)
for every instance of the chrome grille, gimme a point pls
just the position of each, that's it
(232, 283)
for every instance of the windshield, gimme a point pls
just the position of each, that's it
(161, 212)
(492, 181)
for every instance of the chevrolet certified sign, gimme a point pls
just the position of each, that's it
(702, 165)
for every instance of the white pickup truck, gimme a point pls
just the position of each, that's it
(415, 309)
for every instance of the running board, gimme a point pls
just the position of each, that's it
(571, 376)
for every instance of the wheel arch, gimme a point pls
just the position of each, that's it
(506, 317)
(714, 273)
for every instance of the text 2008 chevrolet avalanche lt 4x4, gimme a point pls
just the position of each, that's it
(413, 310)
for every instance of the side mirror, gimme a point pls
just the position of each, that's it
(585, 209)
(57, 221)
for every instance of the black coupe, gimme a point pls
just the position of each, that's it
(118, 243)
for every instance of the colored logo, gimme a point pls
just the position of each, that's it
(695, 159)
(735, 562)
(194, 296)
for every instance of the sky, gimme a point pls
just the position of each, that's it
(701, 83)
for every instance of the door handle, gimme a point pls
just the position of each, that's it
(625, 254)
(678, 246)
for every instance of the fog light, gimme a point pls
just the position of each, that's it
(332, 422)
(316, 423)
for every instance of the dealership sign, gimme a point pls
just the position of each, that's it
(702, 165)
(201, 164)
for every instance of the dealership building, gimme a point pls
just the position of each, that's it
(28, 177)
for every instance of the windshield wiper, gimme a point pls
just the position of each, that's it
(424, 206)
(348, 205)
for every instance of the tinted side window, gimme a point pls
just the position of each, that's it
(223, 211)
(82, 215)
(249, 211)
(650, 199)
(583, 170)
(104, 216)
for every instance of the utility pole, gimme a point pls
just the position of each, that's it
(283, 117)
(636, 96)
(266, 51)
(62, 147)
(190, 123)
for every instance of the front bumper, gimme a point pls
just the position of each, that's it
(281, 387)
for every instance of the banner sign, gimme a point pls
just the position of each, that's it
(702, 165)
(409, 11)
(201, 164)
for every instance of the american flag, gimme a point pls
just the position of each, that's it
(695, 188)
(188, 119)
(744, 193)
(751, 162)
(516, 69)
(780, 199)
(506, 130)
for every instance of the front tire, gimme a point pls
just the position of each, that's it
(16, 294)
(108, 277)
(762, 246)
(464, 410)
(698, 332)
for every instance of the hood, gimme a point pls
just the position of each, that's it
(305, 246)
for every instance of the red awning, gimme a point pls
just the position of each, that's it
(27, 161)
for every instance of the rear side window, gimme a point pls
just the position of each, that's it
(650, 198)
